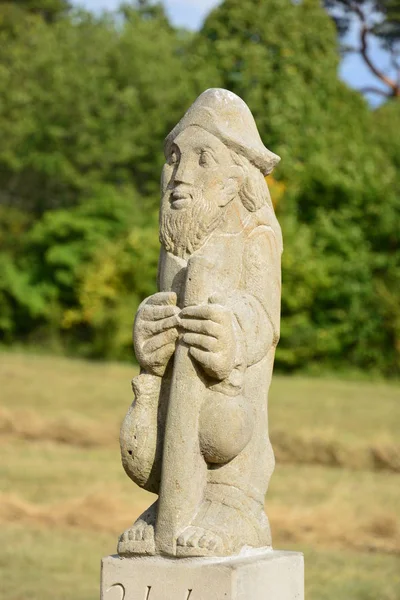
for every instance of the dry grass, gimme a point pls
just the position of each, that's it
(314, 448)
(61, 388)
(347, 411)
(48, 473)
(323, 526)
(327, 528)
(311, 448)
(65, 498)
(46, 563)
(28, 425)
(86, 513)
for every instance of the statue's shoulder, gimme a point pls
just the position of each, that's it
(262, 246)
(258, 231)
(264, 228)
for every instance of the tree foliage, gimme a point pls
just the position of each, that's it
(12, 13)
(342, 197)
(85, 104)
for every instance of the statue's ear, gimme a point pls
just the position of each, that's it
(254, 192)
(233, 185)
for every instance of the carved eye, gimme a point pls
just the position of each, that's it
(206, 159)
(173, 158)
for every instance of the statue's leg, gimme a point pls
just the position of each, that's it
(231, 515)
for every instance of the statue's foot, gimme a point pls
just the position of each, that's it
(227, 521)
(139, 539)
(210, 534)
(197, 541)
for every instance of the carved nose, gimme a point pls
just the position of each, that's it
(184, 173)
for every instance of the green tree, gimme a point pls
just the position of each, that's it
(341, 202)
(85, 104)
(282, 58)
(11, 13)
(86, 101)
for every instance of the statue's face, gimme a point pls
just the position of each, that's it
(198, 182)
(199, 164)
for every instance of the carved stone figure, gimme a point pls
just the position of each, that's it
(197, 431)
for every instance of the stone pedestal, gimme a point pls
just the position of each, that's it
(256, 575)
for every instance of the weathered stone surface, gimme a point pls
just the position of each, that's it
(197, 431)
(269, 575)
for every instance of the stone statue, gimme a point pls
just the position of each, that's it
(197, 431)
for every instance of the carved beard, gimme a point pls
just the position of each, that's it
(185, 230)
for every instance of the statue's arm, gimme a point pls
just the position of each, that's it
(255, 307)
(257, 304)
(233, 332)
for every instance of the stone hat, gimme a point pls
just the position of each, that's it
(225, 115)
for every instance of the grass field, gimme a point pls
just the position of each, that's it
(64, 497)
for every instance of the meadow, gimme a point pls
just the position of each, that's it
(64, 498)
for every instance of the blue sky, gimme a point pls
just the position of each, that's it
(185, 13)
(191, 13)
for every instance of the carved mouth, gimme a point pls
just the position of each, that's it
(180, 199)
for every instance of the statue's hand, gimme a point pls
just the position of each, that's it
(209, 331)
(155, 332)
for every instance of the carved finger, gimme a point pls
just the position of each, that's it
(203, 357)
(160, 340)
(212, 312)
(162, 298)
(199, 326)
(160, 357)
(214, 363)
(154, 327)
(204, 342)
(156, 313)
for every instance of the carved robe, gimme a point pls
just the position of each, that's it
(228, 447)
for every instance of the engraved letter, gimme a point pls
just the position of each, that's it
(117, 592)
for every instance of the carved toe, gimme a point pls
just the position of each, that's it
(138, 539)
(196, 541)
